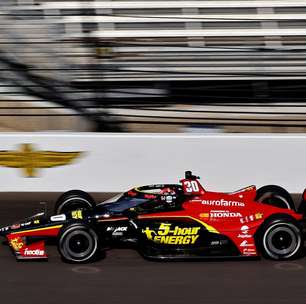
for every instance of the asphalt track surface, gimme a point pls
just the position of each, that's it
(125, 277)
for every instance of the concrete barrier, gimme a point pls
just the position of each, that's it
(51, 162)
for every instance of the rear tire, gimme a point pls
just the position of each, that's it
(73, 200)
(275, 196)
(281, 240)
(78, 243)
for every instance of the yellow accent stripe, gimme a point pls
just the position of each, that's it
(141, 191)
(208, 227)
(144, 191)
(113, 220)
(38, 229)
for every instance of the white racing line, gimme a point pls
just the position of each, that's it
(86, 269)
(292, 266)
(283, 266)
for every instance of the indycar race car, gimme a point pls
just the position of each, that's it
(165, 221)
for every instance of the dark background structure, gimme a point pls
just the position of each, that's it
(155, 65)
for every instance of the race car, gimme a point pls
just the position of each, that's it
(271, 194)
(165, 221)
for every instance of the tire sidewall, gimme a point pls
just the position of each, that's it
(267, 249)
(60, 205)
(277, 196)
(85, 230)
(278, 192)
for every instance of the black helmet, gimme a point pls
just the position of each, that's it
(169, 197)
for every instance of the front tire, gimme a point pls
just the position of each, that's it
(275, 196)
(73, 200)
(78, 243)
(282, 240)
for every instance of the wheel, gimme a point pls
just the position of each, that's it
(78, 243)
(73, 200)
(302, 206)
(281, 240)
(275, 196)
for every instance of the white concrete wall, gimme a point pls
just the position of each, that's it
(117, 162)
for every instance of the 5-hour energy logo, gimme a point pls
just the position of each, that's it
(176, 236)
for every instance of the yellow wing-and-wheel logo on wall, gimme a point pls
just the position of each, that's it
(30, 160)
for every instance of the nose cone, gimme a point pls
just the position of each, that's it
(28, 223)
(5, 230)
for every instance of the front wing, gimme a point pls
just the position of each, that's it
(30, 244)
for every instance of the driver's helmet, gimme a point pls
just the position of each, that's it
(169, 197)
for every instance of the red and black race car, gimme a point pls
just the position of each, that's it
(165, 221)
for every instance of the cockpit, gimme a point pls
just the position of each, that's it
(151, 198)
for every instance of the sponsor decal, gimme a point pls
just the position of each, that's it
(25, 224)
(30, 160)
(15, 226)
(121, 229)
(33, 252)
(244, 229)
(251, 218)
(149, 196)
(214, 214)
(246, 244)
(132, 193)
(37, 222)
(223, 203)
(215, 243)
(117, 229)
(5, 229)
(218, 242)
(176, 236)
(244, 232)
(77, 214)
(58, 218)
(169, 199)
(250, 251)
(16, 243)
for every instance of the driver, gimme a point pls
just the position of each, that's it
(165, 200)
(169, 198)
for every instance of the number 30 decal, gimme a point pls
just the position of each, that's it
(191, 186)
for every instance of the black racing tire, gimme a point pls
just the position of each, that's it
(78, 243)
(73, 200)
(281, 240)
(275, 196)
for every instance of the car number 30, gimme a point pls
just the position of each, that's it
(191, 186)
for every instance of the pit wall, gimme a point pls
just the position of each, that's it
(35, 162)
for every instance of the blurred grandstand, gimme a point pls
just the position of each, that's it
(195, 66)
